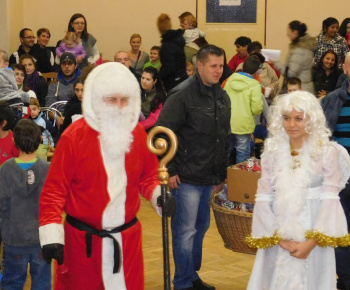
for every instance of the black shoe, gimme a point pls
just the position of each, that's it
(200, 285)
(189, 288)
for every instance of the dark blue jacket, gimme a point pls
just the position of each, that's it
(332, 104)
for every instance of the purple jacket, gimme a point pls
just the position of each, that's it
(78, 50)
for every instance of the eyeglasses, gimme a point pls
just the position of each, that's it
(78, 23)
(29, 37)
(261, 65)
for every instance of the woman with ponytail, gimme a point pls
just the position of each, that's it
(299, 60)
(329, 39)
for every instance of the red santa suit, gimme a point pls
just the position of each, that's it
(102, 193)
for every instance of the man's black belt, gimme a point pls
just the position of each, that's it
(81, 226)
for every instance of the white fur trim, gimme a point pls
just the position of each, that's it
(264, 197)
(114, 214)
(291, 187)
(106, 79)
(344, 163)
(156, 193)
(51, 234)
(329, 195)
(112, 280)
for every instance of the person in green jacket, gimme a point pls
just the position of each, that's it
(246, 102)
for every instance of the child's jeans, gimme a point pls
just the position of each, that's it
(16, 265)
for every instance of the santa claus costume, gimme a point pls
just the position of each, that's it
(100, 166)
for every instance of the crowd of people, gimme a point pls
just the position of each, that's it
(216, 108)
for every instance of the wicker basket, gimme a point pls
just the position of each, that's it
(233, 227)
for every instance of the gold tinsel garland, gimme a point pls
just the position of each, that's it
(321, 239)
(262, 243)
(327, 241)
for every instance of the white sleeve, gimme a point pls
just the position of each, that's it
(95, 54)
(331, 220)
(52, 59)
(263, 215)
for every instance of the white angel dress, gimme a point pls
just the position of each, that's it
(297, 199)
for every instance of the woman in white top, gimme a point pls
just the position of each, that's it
(298, 218)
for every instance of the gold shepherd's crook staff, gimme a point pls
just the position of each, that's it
(160, 147)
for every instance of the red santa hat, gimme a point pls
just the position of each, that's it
(110, 79)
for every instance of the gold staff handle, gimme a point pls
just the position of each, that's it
(160, 147)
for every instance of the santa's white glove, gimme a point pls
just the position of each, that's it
(155, 195)
(167, 207)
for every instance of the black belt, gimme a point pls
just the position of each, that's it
(81, 226)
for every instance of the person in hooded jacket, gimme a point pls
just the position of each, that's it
(246, 102)
(73, 109)
(172, 55)
(63, 89)
(299, 60)
(21, 181)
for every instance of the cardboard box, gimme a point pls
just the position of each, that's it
(241, 184)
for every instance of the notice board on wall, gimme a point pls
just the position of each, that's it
(231, 11)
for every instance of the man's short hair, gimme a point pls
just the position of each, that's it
(43, 30)
(294, 81)
(4, 55)
(22, 32)
(120, 51)
(251, 64)
(259, 55)
(242, 41)
(155, 47)
(205, 50)
(6, 114)
(27, 136)
(254, 46)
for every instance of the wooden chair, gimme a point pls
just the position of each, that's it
(50, 77)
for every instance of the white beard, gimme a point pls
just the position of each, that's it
(115, 129)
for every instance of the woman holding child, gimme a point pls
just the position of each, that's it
(78, 24)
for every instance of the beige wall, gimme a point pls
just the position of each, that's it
(311, 12)
(113, 21)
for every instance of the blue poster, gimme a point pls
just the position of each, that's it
(231, 11)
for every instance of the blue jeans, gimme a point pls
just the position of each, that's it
(342, 255)
(242, 145)
(16, 265)
(189, 225)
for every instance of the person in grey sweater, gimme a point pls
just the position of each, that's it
(21, 181)
(8, 86)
